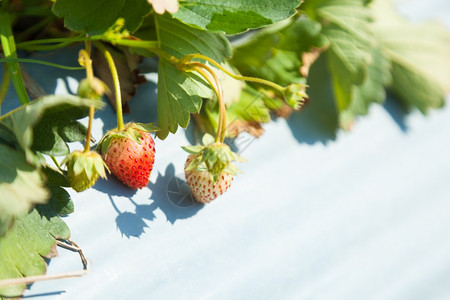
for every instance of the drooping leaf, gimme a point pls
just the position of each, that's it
(370, 91)
(346, 24)
(21, 185)
(420, 56)
(95, 17)
(180, 93)
(357, 64)
(46, 124)
(234, 16)
(320, 115)
(276, 55)
(23, 248)
(282, 54)
(42, 125)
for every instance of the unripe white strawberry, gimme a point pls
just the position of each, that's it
(202, 186)
(209, 169)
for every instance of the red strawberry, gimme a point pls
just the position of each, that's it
(202, 186)
(130, 154)
(208, 170)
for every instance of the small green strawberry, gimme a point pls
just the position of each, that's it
(83, 169)
(209, 169)
(130, 153)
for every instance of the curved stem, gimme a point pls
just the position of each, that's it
(41, 62)
(9, 50)
(237, 77)
(115, 76)
(221, 127)
(85, 57)
(53, 42)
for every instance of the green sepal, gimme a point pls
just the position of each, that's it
(131, 131)
(195, 164)
(212, 157)
(84, 168)
(295, 95)
(208, 139)
(192, 149)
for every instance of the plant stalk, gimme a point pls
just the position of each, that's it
(222, 123)
(234, 76)
(9, 50)
(41, 62)
(115, 76)
(87, 61)
(89, 129)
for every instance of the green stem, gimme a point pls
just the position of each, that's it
(216, 86)
(5, 85)
(87, 62)
(134, 43)
(45, 42)
(89, 129)
(41, 62)
(9, 50)
(237, 77)
(115, 76)
(56, 162)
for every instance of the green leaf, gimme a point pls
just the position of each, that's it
(21, 185)
(23, 248)
(357, 66)
(46, 124)
(234, 16)
(346, 24)
(370, 91)
(180, 93)
(95, 17)
(420, 56)
(250, 107)
(275, 53)
(21, 177)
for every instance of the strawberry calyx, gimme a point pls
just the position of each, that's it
(131, 131)
(214, 157)
(84, 168)
(295, 95)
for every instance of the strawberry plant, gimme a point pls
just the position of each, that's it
(229, 66)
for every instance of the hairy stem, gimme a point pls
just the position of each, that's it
(86, 61)
(89, 129)
(234, 76)
(222, 123)
(9, 50)
(115, 76)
